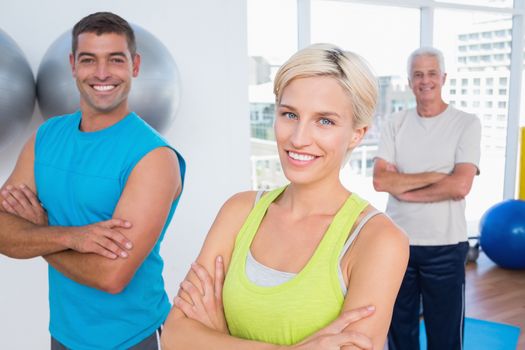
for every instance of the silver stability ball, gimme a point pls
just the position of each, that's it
(155, 93)
(55, 87)
(17, 90)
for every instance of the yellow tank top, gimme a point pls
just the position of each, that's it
(290, 312)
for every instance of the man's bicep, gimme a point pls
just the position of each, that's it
(146, 201)
(464, 174)
(465, 169)
(468, 149)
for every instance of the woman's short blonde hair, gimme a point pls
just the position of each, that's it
(349, 69)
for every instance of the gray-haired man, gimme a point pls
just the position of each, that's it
(427, 160)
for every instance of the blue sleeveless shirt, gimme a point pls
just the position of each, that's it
(79, 178)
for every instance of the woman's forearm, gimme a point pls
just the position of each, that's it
(183, 333)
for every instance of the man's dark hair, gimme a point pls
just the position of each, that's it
(104, 23)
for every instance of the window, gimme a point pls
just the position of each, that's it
(268, 48)
(385, 24)
(269, 112)
(359, 27)
(476, 46)
(488, 3)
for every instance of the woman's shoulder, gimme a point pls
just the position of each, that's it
(227, 224)
(381, 233)
(236, 208)
(381, 244)
(240, 200)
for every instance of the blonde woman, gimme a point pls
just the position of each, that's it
(310, 265)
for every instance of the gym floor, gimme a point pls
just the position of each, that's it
(496, 294)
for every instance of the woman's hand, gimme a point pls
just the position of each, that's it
(334, 336)
(206, 306)
(22, 202)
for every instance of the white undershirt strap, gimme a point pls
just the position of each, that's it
(349, 241)
(258, 196)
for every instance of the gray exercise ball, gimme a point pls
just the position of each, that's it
(17, 90)
(155, 93)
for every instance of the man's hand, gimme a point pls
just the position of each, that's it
(22, 202)
(100, 238)
(390, 167)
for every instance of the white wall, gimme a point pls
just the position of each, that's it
(208, 41)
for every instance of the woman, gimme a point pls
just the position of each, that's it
(299, 258)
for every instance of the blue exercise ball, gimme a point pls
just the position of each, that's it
(155, 93)
(503, 234)
(17, 90)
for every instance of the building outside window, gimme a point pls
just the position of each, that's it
(268, 48)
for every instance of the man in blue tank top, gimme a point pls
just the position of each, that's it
(109, 184)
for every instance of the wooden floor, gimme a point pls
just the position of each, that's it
(496, 294)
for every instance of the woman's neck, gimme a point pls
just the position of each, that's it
(314, 199)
